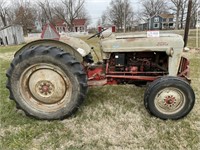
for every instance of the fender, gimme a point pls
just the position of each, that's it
(67, 47)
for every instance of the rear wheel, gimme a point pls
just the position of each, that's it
(47, 83)
(169, 98)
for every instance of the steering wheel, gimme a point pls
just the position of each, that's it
(97, 34)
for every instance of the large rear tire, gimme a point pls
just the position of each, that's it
(169, 98)
(47, 83)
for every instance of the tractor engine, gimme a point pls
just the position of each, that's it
(139, 62)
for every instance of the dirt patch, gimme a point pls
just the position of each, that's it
(7, 56)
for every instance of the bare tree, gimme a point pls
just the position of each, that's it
(83, 14)
(179, 7)
(183, 12)
(195, 8)
(118, 13)
(46, 11)
(153, 7)
(68, 10)
(104, 18)
(4, 11)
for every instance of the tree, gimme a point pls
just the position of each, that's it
(153, 7)
(3, 12)
(24, 15)
(46, 12)
(104, 20)
(68, 10)
(119, 13)
(183, 12)
(180, 6)
(195, 8)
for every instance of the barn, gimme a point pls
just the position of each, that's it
(11, 35)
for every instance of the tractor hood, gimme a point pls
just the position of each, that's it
(141, 42)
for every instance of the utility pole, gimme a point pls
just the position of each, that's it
(187, 26)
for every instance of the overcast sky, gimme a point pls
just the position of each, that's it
(96, 7)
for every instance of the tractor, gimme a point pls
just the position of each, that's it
(49, 79)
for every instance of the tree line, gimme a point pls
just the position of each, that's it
(119, 12)
(27, 12)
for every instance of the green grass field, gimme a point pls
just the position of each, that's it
(112, 117)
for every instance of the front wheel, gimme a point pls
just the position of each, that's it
(47, 83)
(169, 98)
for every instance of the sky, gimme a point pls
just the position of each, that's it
(95, 8)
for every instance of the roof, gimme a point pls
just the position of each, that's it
(60, 23)
(76, 22)
(79, 22)
(166, 15)
(9, 26)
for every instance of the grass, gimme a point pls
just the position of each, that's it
(112, 117)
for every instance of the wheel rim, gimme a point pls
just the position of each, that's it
(169, 100)
(45, 87)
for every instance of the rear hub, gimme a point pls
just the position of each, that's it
(45, 86)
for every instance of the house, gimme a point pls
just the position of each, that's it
(61, 26)
(79, 25)
(158, 22)
(11, 35)
(49, 32)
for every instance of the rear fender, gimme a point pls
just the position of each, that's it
(48, 42)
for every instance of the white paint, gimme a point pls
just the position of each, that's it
(153, 34)
(82, 51)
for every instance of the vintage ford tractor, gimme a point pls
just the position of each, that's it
(49, 79)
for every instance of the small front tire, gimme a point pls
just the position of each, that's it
(169, 98)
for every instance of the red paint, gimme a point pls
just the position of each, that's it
(113, 29)
(95, 74)
(170, 99)
(99, 28)
(142, 78)
(184, 70)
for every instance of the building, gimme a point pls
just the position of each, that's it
(11, 35)
(79, 25)
(158, 22)
(61, 26)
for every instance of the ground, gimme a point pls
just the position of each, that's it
(112, 117)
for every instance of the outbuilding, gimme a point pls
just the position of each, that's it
(11, 35)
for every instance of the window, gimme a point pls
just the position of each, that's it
(171, 25)
(164, 19)
(156, 19)
(156, 25)
(171, 19)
